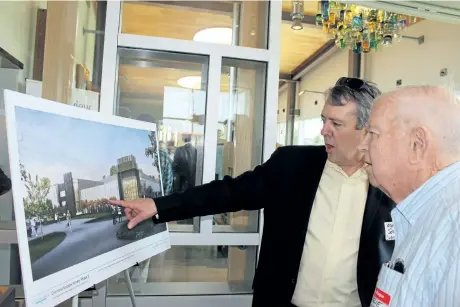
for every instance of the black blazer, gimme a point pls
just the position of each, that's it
(5, 183)
(285, 186)
(184, 166)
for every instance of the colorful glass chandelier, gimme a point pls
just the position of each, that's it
(359, 28)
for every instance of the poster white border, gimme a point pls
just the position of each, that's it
(58, 287)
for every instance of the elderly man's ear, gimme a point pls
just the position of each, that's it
(419, 144)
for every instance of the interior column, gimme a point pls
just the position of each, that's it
(59, 56)
(241, 261)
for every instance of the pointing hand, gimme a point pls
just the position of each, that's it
(137, 210)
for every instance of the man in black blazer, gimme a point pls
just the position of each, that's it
(324, 237)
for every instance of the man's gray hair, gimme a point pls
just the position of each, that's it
(364, 98)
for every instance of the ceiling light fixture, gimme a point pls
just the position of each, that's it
(297, 14)
(360, 28)
(214, 35)
(190, 82)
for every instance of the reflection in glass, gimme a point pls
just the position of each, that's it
(238, 23)
(168, 89)
(192, 270)
(240, 132)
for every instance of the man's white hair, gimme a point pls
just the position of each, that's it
(436, 107)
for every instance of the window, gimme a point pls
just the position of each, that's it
(240, 132)
(239, 23)
(168, 89)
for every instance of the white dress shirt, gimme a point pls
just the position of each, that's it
(427, 229)
(327, 274)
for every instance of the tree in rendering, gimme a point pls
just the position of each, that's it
(36, 204)
(113, 170)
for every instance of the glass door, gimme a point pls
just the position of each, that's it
(206, 72)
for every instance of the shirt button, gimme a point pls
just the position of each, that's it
(293, 281)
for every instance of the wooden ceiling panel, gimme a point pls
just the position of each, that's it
(309, 7)
(153, 80)
(167, 21)
(296, 46)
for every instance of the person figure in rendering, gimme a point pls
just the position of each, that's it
(114, 215)
(69, 220)
(324, 226)
(33, 226)
(37, 224)
(413, 149)
(120, 215)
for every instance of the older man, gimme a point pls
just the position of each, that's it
(413, 148)
(324, 238)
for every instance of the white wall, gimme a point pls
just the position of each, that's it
(282, 104)
(418, 64)
(319, 79)
(406, 60)
(17, 37)
(16, 22)
(281, 124)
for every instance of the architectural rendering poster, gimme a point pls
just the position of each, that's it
(66, 163)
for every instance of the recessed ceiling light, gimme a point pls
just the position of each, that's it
(214, 35)
(190, 82)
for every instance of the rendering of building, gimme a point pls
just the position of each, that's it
(128, 178)
(107, 189)
(128, 183)
(68, 193)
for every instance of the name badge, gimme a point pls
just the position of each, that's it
(389, 231)
(380, 299)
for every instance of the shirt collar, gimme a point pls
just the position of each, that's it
(419, 201)
(358, 174)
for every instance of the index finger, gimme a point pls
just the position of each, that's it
(122, 203)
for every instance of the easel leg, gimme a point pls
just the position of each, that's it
(130, 288)
(75, 301)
